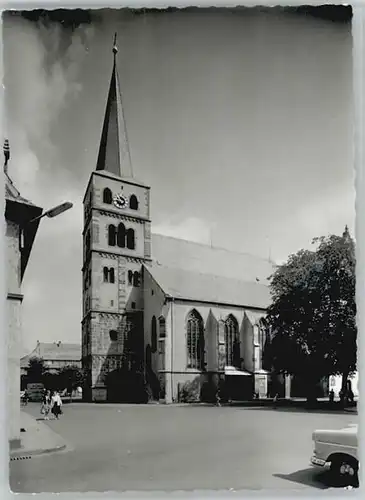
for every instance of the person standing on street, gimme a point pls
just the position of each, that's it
(46, 404)
(275, 400)
(56, 403)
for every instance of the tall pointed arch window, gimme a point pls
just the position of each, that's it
(153, 334)
(121, 235)
(148, 357)
(161, 342)
(264, 346)
(195, 341)
(231, 338)
(111, 235)
(133, 202)
(107, 196)
(130, 239)
(162, 327)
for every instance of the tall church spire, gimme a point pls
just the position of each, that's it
(114, 154)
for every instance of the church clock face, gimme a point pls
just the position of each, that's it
(120, 201)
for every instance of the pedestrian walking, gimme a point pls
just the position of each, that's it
(332, 396)
(25, 398)
(275, 400)
(56, 404)
(217, 397)
(46, 404)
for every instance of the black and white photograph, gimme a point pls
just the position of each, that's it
(180, 249)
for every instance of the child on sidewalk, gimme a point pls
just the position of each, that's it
(46, 405)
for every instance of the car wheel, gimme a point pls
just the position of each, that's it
(345, 470)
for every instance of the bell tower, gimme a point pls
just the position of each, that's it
(116, 242)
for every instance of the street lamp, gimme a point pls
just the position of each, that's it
(53, 212)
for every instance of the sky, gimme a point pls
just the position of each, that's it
(241, 123)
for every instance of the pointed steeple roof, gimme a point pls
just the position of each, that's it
(114, 154)
(346, 233)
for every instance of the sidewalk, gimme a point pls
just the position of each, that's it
(322, 404)
(38, 439)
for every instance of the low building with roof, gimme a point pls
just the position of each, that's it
(180, 315)
(55, 355)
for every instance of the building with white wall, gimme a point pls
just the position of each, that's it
(19, 236)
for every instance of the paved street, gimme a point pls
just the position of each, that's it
(172, 447)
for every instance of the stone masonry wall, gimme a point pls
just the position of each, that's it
(14, 331)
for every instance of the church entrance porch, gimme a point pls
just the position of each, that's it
(231, 385)
(238, 384)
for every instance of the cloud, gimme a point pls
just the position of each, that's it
(330, 212)
(324, 214)
(37, 91)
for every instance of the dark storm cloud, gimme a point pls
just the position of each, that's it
(74, 18)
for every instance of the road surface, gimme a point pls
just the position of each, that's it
(157, 447)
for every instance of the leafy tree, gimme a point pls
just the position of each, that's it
(70, 377)
(51, 381)
(36, 370)
(312, 318)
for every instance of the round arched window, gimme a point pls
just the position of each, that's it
(113, 335)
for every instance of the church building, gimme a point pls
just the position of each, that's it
(164, 319)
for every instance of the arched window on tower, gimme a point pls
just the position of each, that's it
(231, 338)
(121, 235)
(195, 341)
(130, 239)
(153, 334)
(130, 277)
(133, 202)
(136, 278)
(107, 196)
(106, 274)
(111, 235)
(113, 335)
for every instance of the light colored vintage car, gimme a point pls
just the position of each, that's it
(337, 450)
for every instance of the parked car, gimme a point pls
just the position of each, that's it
(337, 450)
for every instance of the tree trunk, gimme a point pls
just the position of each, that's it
(312, 390)
(344, 392)
(345, 376)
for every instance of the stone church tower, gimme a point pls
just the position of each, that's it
(116, 241)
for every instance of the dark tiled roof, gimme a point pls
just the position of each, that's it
(195, 286)
(54, 352)
(199, 258)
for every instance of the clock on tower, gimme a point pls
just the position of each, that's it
(120, 201)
